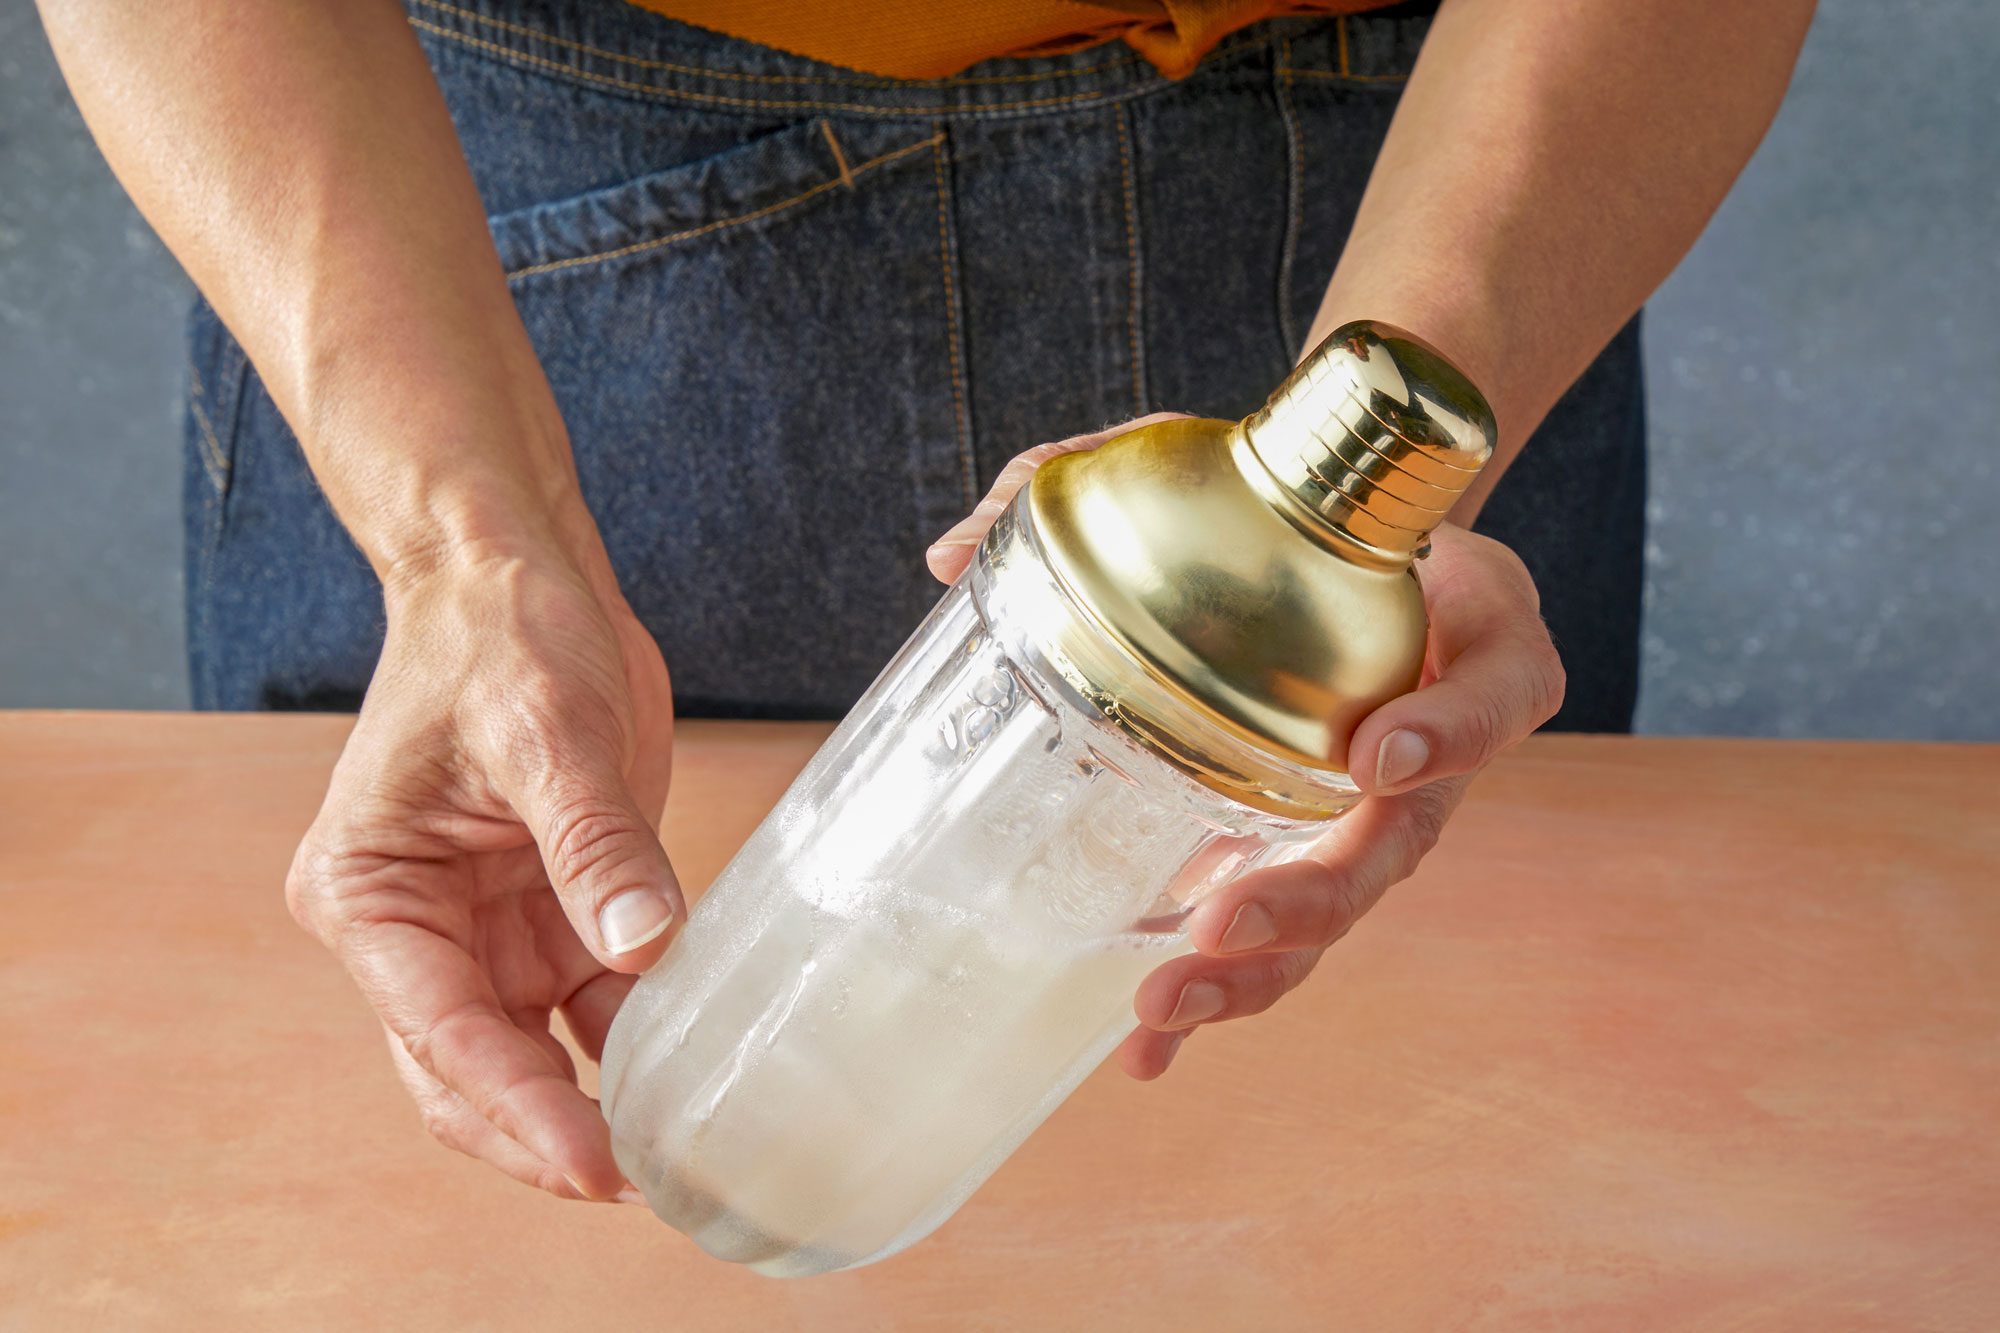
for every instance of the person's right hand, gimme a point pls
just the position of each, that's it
(487, 851)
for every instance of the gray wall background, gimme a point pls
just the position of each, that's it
(1824, 556)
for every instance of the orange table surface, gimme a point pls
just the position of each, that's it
(1667, 1034)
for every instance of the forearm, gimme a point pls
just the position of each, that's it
(1549, 164)
(299, 161)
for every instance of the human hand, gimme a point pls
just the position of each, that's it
(1490, 677)
(487, 852)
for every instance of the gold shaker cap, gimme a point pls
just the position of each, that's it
(1377, 434)
(1237, 595)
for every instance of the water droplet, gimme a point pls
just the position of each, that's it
(995, 690)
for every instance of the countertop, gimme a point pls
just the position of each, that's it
(1666, 1034)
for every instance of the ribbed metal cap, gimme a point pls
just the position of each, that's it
(1376, 433)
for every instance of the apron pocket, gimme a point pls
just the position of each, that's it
(757, 356)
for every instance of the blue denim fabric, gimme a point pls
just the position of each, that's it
(797, 318)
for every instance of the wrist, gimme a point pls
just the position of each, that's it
(441, 451)
(454, 486)
(478, 505)
(458, 531)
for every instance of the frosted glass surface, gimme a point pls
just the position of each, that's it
(923, 949)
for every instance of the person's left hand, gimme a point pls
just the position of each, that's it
(1491, 676)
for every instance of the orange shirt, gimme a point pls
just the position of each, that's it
(930, 39)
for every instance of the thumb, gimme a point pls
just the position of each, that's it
(1490, 698)
(1499, 676)
(606, 864)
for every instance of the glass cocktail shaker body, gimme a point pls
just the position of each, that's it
(1140, 689)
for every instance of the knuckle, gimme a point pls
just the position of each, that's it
(1419, 841)
(1340, 899)
(437, 1034)
(1516, 577)
(308, 889)
(301, 897)
(1488, 727)
(1271, 980)
(586, 838)
(1295, 967)
(443, 1114)
(1430, 808)
(1550, 681)
(447, 1125)
(431, 1043)
(442, 1125)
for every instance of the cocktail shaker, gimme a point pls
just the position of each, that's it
(1143, 686)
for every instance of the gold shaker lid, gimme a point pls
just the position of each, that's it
(1243, 589)
(1376, 433)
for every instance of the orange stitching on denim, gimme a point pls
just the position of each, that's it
(835, 77)
(1346, 72)
(675, 238)
(839, 158)
(1130, 192)
(214, 462)
(967, 472)
(1331, 76)
(1295, 170)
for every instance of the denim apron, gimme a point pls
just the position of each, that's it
(796, 319)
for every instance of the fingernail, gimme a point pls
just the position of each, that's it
(630, 1195)
(1199, 1000)
(1251, 928)
(633, 918)
(1173, 1049)
(1402, 756)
